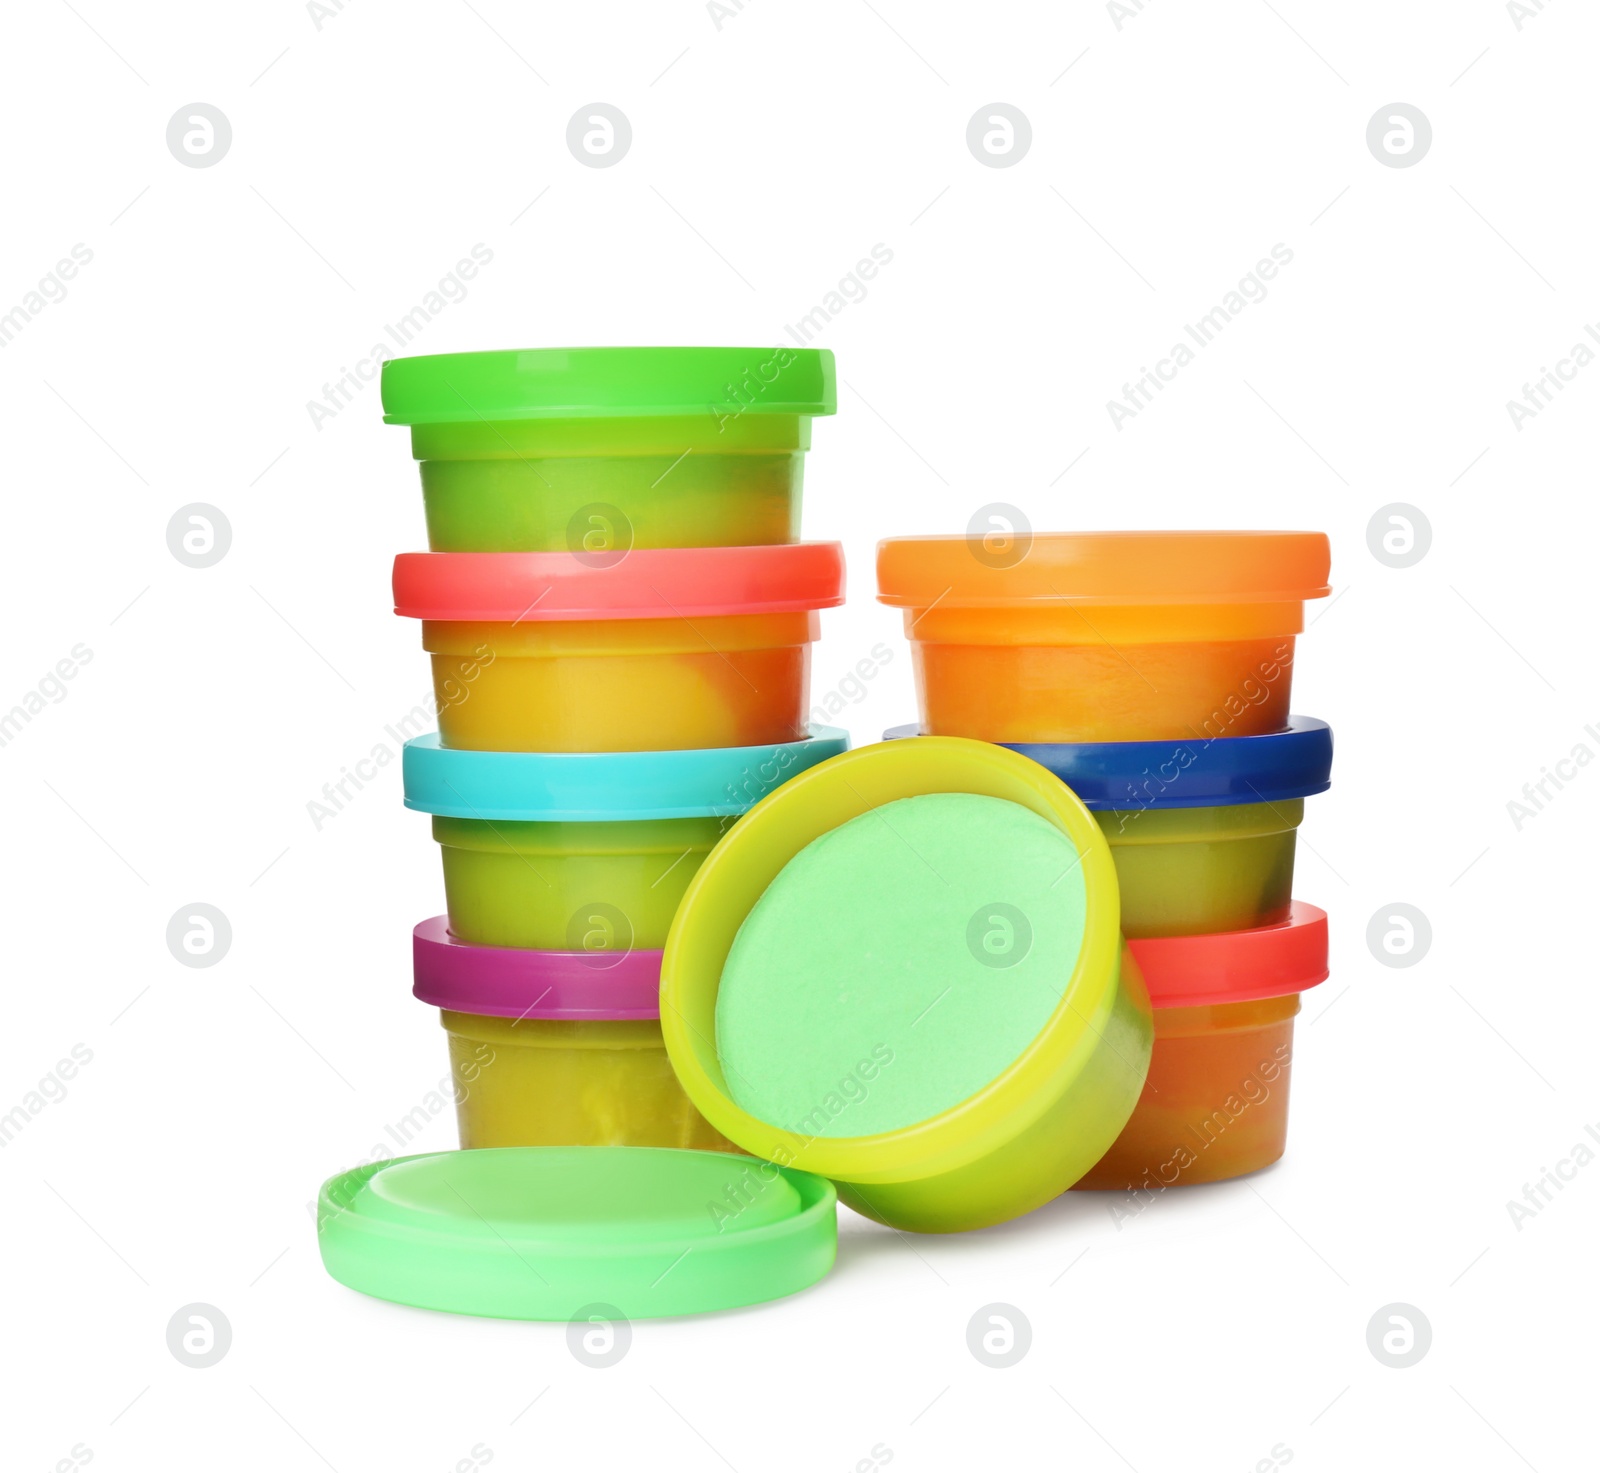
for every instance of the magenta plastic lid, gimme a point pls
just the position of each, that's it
(504, 982)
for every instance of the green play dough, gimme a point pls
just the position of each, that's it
(898, 964)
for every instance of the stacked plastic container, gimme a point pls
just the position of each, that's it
(1151, 673)
(618, 615)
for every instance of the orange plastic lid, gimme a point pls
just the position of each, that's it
(648, 583)
(1103, 568)
(1236, 966)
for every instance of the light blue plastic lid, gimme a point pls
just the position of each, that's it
(597, 787)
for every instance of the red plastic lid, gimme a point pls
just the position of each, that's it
(649, 583)
(1237, 966)
(501, 982)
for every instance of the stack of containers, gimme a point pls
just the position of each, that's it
(1151, 673)
(619, 616)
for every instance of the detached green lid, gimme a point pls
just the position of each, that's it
(607, 383)
(565, 1232)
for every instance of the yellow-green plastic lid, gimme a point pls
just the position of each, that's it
(903, 970)
(573, 1232)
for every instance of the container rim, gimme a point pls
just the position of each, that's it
(507, 982)
(720, 383)
(1237, 966)
(1022, 568)
(1205, 772)
(644, 583)
(603, 787)
(817, 801)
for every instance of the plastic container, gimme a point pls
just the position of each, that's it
(593, 1237)
(1202, 832)
(1104, 636)
(1216, 1103)
(585, 852)
(597, 450)
(1036, 1127)
(546, 1050)
(667, 649)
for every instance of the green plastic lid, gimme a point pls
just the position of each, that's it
(563, 1232)
(607, 383)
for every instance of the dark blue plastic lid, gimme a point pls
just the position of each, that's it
(1206, 772)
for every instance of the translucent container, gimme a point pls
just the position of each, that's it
(548, 1050)
(1216, 1101)
(1202, 833)
(1104, 636)
(599, 450)
(665, 650)
(1035, 1128)
(1184, 871)
(585, 852)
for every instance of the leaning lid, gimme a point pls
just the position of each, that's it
(578, 1233)
(595, 787)
(649, 583)
(507, 982)
(1103, 568)
(1237, 966)
(971, 942)
(1203, 773)
(576, 383)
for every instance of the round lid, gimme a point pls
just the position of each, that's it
(595, 787)
(578, 1233)
(1204, 773)
(649, 583)
(506, 982)
(1237, 966)
(575, 383)
(1104, 568)
(1012, 943)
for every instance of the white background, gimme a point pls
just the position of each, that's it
(768, 156)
